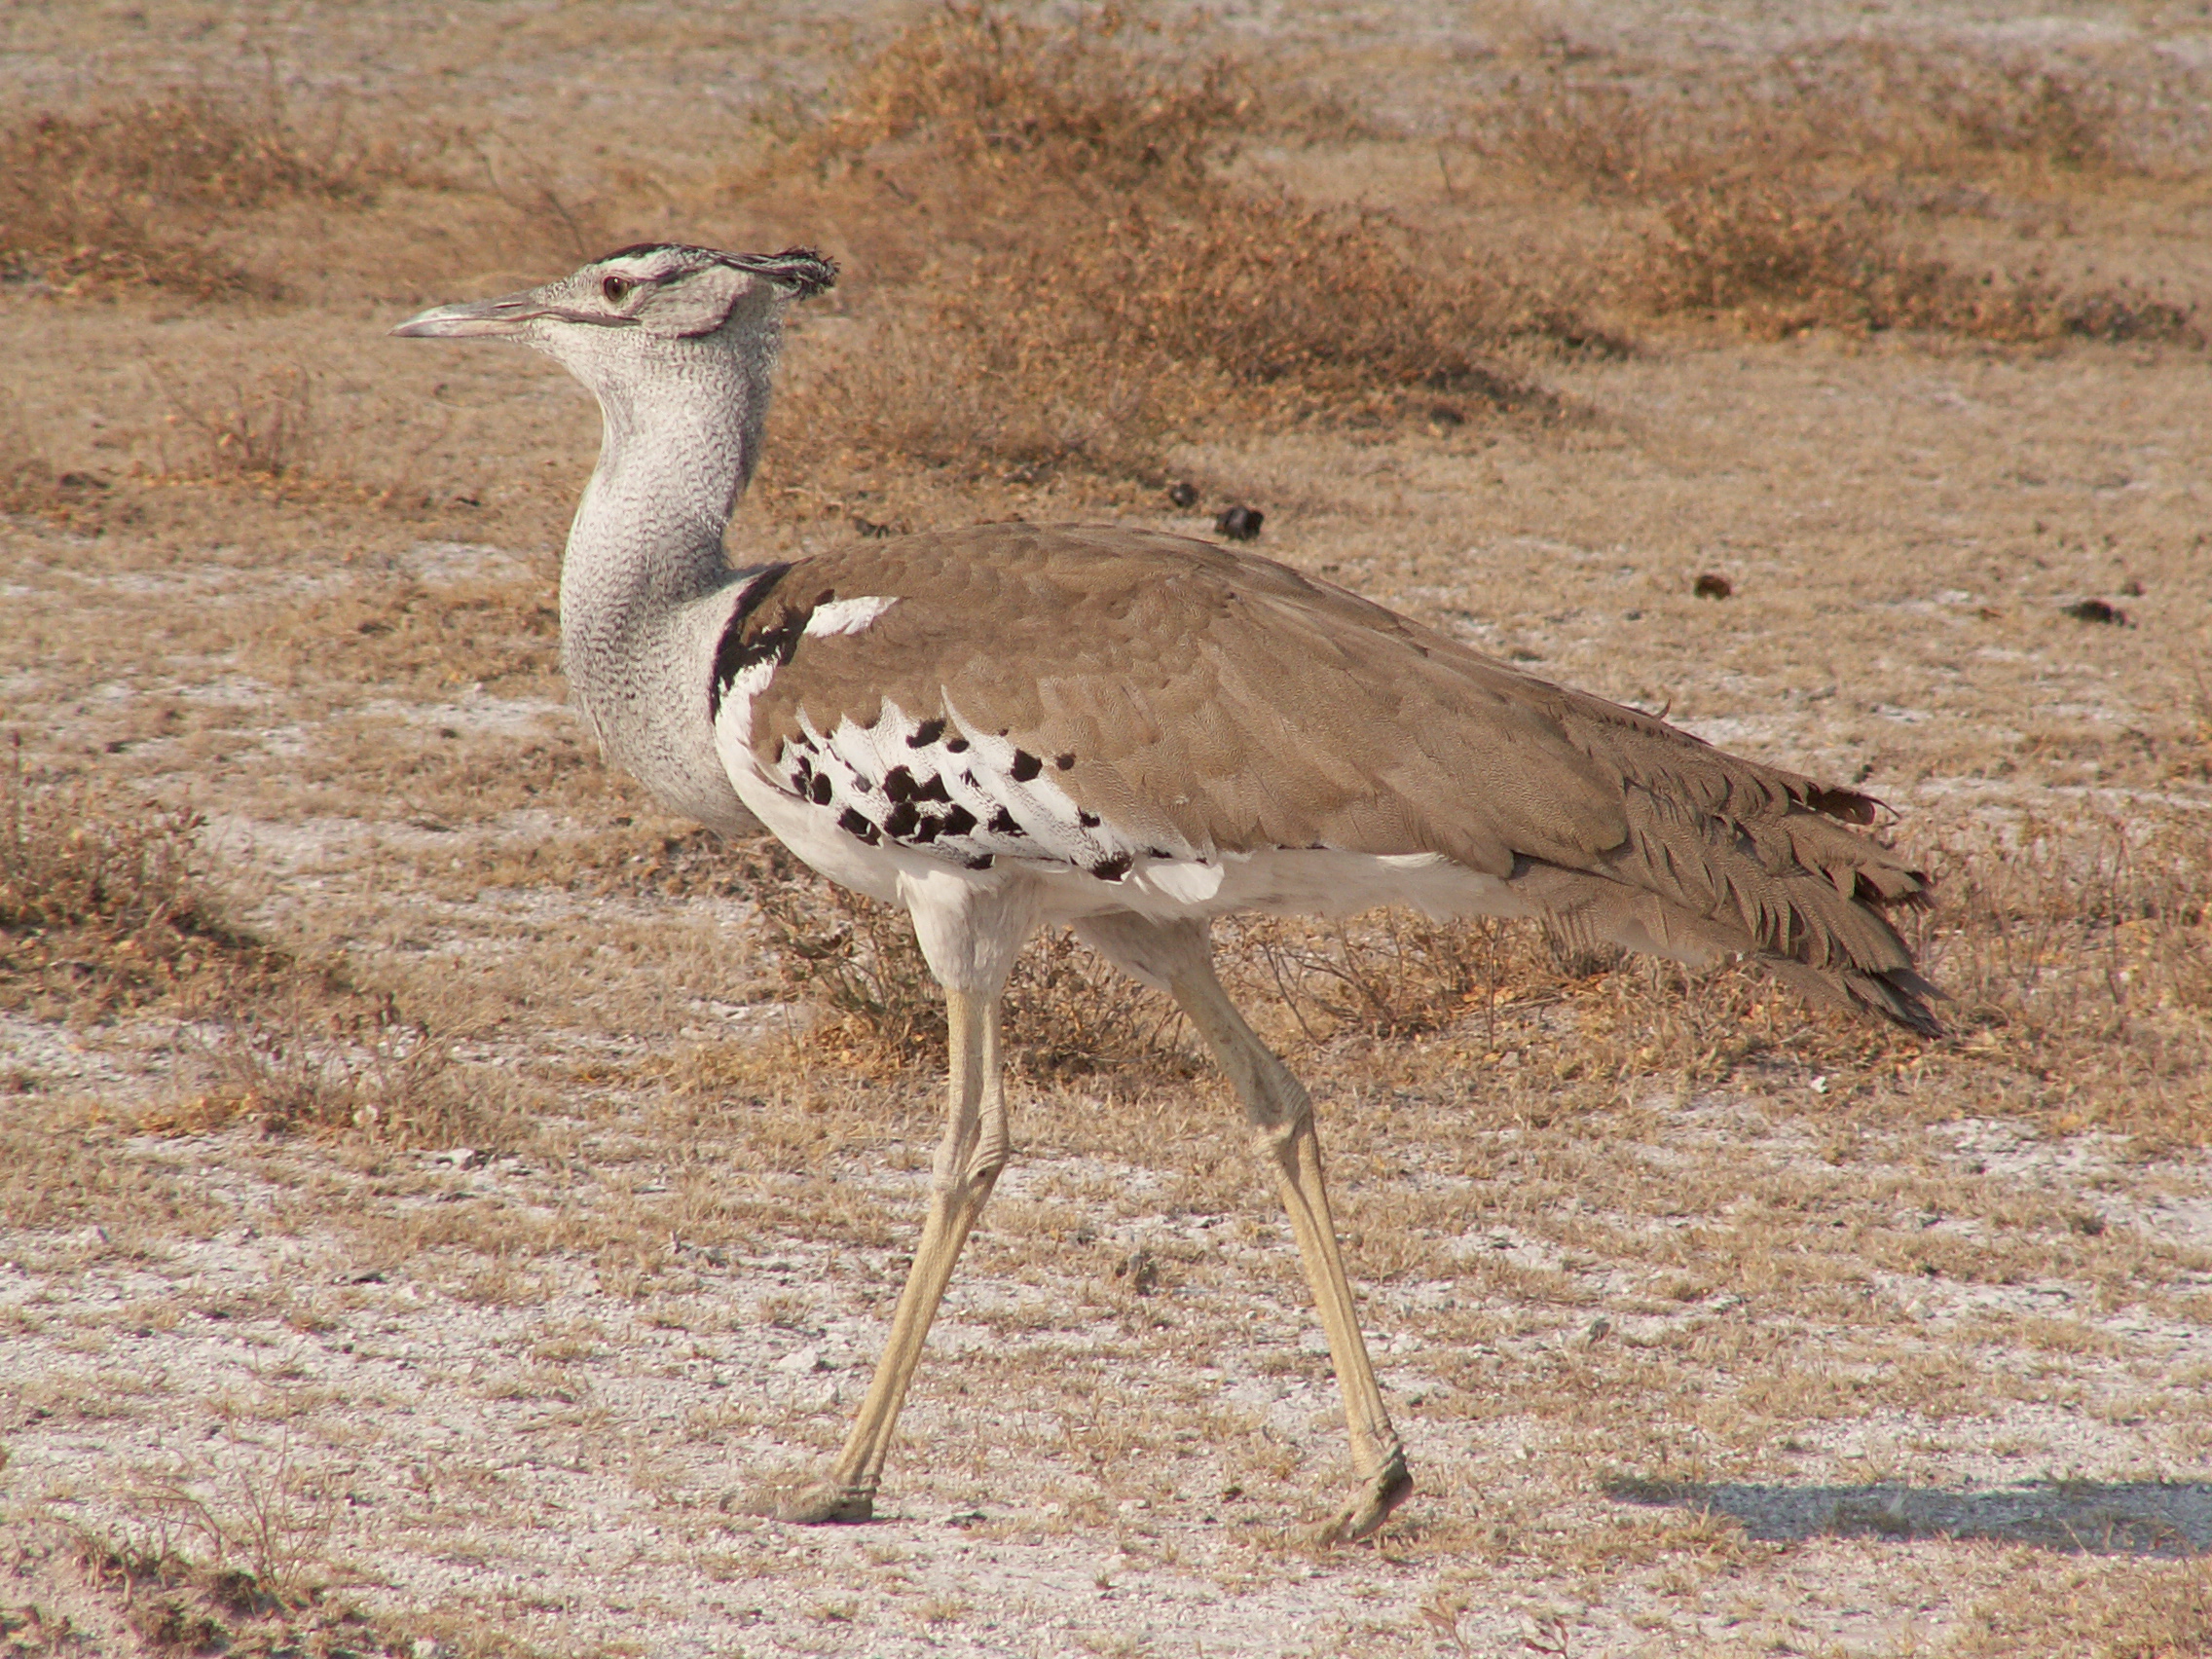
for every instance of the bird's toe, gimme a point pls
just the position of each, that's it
(1379, 1494)
(826, 1502)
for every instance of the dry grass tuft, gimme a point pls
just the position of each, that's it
(2162, 1615)
(1385, 974)
(2079, 959)
(261, 1592)
(106, 903)
(31, 485)
(260, 427)
(1067, 1012)
(341, 1062)
(400, 632)
(141, 194)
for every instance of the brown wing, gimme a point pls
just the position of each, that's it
(1245, 707)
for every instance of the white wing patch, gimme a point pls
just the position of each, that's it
(848, 615)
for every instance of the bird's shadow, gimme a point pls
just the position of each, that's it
(2120, 1518)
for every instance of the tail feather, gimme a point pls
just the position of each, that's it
(1802, 898)
(1726, 856)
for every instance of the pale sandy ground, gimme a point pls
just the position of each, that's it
(574, 1497)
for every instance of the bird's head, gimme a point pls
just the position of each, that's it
(653, 292)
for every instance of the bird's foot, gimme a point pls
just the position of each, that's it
(827, 1501)
(1379, 1494)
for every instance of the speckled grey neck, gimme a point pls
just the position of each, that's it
(645, 584)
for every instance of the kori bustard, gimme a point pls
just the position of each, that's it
(1013, 726)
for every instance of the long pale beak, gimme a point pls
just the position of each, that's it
(502, 317)
(475, 320)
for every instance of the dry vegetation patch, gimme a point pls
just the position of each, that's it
(144, 192)
(2077, 960)
(1804, 192)
(109, 905)
(106, 903)
(1047, 218)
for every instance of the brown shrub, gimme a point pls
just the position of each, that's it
(1868, 105)
(1092, 283)
(138, 194)
(2057, 115)
(1603, 140)
(1747, 241)
(1785, 257)
(1776, 188)
(992, 94)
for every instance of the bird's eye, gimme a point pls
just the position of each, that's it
(616, 289)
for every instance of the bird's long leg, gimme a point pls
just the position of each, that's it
(968, 1159)
(1281, 1115)
(1177, 957)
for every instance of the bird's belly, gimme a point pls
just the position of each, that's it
(1320, 881)
(1325, 881)
(813, 834)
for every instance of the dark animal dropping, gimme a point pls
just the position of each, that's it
(1713, 585)
(1239, 523)
(2097, 610)
(1183, 495)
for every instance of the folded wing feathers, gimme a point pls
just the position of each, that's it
(1725, 855)
(1240, 705)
